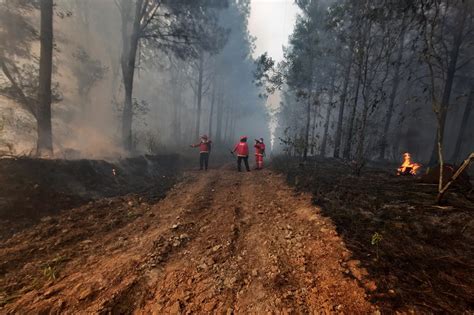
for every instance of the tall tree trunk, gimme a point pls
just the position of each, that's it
(199, 95)
(220, 115)
(129, 54)
(465, 122)
(451, 71)
(227, 121)
(179, 134)
(393, 94)
(308, 110)
(45, 136)
(233, 122)
(176, 104)
(363, 35)
(360, 144)
(348, 145)
(340, 118)
(313, 130)
(407, 91)
(307, 128)
(211, 113)
(328, 115)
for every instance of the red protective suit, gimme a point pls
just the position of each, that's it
(259, 152)
(204, 146)
(242, 149)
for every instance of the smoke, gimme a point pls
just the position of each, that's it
(87, 119)
(272, 30)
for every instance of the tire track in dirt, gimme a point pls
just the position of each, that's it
(270, 276)
(168, 244)
(278, 247)
(193, 279)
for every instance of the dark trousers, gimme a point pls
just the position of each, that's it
(239, 163)
(203, 160)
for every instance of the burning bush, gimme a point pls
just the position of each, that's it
(408, 167)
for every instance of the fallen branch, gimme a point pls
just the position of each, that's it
(463, 166)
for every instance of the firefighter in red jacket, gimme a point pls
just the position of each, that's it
(259, 153)
(242, 150)
(204, 150)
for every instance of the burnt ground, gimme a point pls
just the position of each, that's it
(425, 260)
(219, 242)
(31, 189)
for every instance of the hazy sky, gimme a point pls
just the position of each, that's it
(272, 21)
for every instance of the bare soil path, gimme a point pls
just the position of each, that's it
(220, 242)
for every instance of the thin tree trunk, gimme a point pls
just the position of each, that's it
(179, 134)
(232, 127)
(306, 132)
(464, 124)
(295, 140)
(219, 114)
(328, 115)
(365, 110)
(360, 145)
(45, 136)
(308, 110)
(348, 145)
(338, 137)
(227, 120)
(393, 94)
(174, 87)
(308, 125)
(129, 53)
(313, 130)
(199, 95)
(211, 113)
(443, 108)
(364, 34)
(407, 91)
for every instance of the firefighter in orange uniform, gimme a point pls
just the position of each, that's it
(242, 150)
(204, 150)
(259, 153)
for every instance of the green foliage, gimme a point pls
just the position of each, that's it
(50, 272)
(50, 269)
(375, 241)
(266, 75)
(181, 27)
(376, 238)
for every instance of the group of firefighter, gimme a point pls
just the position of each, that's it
(241, 149)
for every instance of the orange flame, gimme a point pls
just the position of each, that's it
(408, 167)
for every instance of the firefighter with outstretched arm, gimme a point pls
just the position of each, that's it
(204, 150)
(242, 150)
(259, 153)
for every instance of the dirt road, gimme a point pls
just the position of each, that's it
(220, 242)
